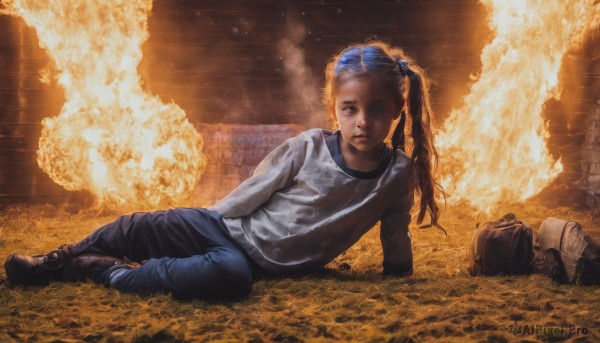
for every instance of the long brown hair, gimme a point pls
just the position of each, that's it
(411, 87)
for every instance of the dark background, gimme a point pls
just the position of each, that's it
(222, 62)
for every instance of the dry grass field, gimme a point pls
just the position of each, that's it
(349, 300)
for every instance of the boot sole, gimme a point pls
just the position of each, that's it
(7, 268)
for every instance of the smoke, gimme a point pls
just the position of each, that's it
(306, 105)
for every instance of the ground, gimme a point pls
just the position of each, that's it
(348, 301)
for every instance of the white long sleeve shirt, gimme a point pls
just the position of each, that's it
(303, 207)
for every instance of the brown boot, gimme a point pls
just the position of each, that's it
(37, 270)
(83, 266)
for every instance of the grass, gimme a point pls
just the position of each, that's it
(440, 302)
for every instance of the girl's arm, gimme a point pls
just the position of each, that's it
(276, 171)
(395, 237)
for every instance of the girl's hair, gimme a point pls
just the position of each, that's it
(410, 87)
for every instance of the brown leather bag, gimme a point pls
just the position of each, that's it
(503, 246)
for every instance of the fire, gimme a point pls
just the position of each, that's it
(493, 148)
(111, 138)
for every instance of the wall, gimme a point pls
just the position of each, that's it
(224, 62)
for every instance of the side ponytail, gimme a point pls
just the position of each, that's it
(424, 155)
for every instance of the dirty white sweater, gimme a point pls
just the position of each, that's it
(303, 207)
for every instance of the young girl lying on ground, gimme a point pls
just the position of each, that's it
(308, 201)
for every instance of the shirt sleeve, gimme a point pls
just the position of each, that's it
(276, 171)
(394, 234)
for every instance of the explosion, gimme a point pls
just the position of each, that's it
(125, 146)
(494, 146)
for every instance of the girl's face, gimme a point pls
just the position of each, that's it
(365, 110)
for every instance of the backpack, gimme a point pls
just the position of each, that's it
(579, 253)
(503, 246)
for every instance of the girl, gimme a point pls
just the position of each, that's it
(308, 201)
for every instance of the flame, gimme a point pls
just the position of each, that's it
(111, 138)
(493, 148)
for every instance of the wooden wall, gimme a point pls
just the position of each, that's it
(24, 101)
(221, 62)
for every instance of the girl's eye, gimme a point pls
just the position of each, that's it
(348, 110)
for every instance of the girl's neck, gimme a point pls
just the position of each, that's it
(360, 160)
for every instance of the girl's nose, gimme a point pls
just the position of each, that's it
(362, 120)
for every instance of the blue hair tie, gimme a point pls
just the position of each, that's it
(403, 65)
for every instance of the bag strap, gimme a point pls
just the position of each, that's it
(562, 234)
(506, 221)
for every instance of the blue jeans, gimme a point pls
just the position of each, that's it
(189, 254)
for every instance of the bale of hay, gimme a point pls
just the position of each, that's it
(233, 152)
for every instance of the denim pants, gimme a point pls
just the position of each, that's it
(189, 254)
